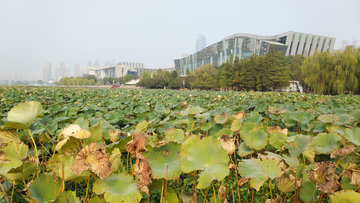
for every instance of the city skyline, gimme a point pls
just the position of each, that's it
(160, 32)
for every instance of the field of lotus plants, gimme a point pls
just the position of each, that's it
(118, 145)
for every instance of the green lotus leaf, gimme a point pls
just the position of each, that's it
(171, 196)
(206, 126)
(277, 140)
(83, 123)
(256, 139)
(348, 196)
(353, 135)
(69, 145)
(345, 184)
(245, 128)
(221, 118)
(96, 199)
(244, 150)
(356, 114)
(192, 111)
(164, 158)
(208, 156)
(253, 117)
(15, 154)
(236, 125)
(325, 143)
(96, 133)
(114, 116)
(43, 188)
(68, 196)
(276, 110)
(141, 127)
(61, 166)
(329, 118)
(20, 173)
(224, 131)
(259, 170)
(7, 136)
(23, 115)
(115, 160)
(302, 117)
(345, 119)
(293, 162)
(176, 135)
(286, 183)
(307, 192)
(118, 188)
(187, 144)
(121, 145)
(298, 145)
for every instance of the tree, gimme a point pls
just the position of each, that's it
(127, 78)
(91, 82)
(187, 71)
(174, 74)
(40, 82)
(146, 74)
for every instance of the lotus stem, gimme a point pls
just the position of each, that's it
(87, 189)
(214, 191)
(252, 195)
(167, 167)
(270, 190)
(63, 179)
(12, 193)
(232, 190)
(162, 190)
(37, 158)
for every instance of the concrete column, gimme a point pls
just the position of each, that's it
(288, 42)
(332, 44)
(307, 45)
(321, 42)
(314, 43)
(301, 44)
(295, 44)
(326, 44)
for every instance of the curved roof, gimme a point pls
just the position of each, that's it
(259, 37)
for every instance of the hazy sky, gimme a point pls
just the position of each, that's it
(153, 32)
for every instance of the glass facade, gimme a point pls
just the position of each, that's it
(243, 47)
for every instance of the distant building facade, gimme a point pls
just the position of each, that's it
(77, 70)
(200, 43)
(118, 70)
(47, 73)
(244, 45)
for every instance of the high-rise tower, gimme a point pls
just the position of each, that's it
(200, 43)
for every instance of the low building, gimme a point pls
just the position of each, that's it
(119, 70)
(244, 45)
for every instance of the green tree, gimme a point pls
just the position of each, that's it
(146, 74)
(91, 82)
(187, 71)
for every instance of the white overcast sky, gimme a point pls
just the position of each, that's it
(153, 32)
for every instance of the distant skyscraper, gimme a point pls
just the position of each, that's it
(89, 64)
(107, 63)
(77, 71)
(200, 43)
(55, 73)
(96, 63)
(47, 72)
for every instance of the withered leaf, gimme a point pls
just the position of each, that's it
(343, 151)
(323, 175)
(239, 115)
(273, 129)
(242, 181)
(94, 159)
(353, 175)
(142, 171)
(137, 144)
(229, 144)
(114, 135)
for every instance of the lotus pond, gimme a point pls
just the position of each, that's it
(118, 145)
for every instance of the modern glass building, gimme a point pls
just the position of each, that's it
(119, 70)
(244, 45)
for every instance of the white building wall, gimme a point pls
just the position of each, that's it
(301, 44)
(295, 43)
(307, 46)
(314, 43)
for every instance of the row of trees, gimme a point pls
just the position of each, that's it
(91, 80)
(161, 79)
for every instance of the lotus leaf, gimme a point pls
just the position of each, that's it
(229, 144)
(329, 118)
(345, 196)
(96, 199)
(191, 140)
(302, 117)
(345, 119)
(286, 183)
(245, 128)
(118, 188)
(15, 154)
(259, 170)
(115, 116)
(96, 133)
(20, 173)
(276, 110)
(114, 135)
(298, 145)
(23, 115)
(93, 158)
(68, 196)
(208, 156)
(224, 131)
(325, 143)
(308, 189)
(7, 136)
(121, 145)
(346, 185)
(42, 189)
(353, 135)
(192, 111)
(239, 115)
(256, 139)
(221, 118)
(206, 126)
(171, 196)
(175, 135)
(254, 117)
(244, 150)
(69, 145)
(236, 125)
(115, 160)
(61, 166)
(83, 123)
(141, 127)
(277, 140)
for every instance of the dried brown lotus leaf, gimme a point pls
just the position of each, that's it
(222, 193)
(91, 158)
(343, 151)
(273, 129)
(278, 199)
(114, 135)
(239, 115)
(229, 144)
(242, 181)
(142, 171)
(323, 175)
(137, 144)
